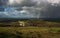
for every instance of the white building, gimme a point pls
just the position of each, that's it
(21, 23)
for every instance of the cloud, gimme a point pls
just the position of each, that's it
(12, 13)
(53, 1)
(32, 9)
(38, 8)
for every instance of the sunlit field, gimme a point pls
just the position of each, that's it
(29, 32)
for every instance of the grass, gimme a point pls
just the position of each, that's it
(29, 32)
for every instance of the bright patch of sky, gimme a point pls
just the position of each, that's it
(53, 1)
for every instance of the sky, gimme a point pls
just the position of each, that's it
(30, 8)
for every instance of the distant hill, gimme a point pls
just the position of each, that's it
(22, 19)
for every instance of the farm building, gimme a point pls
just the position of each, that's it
(21, 23)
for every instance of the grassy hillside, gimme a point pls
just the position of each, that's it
(29, 32)
(32, 29)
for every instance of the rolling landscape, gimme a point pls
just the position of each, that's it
(33, 28)
(29, 18)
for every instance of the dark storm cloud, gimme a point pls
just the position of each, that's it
(3, 2)
(27, 3)
(52, 11)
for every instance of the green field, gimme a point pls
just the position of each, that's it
(29, 32)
